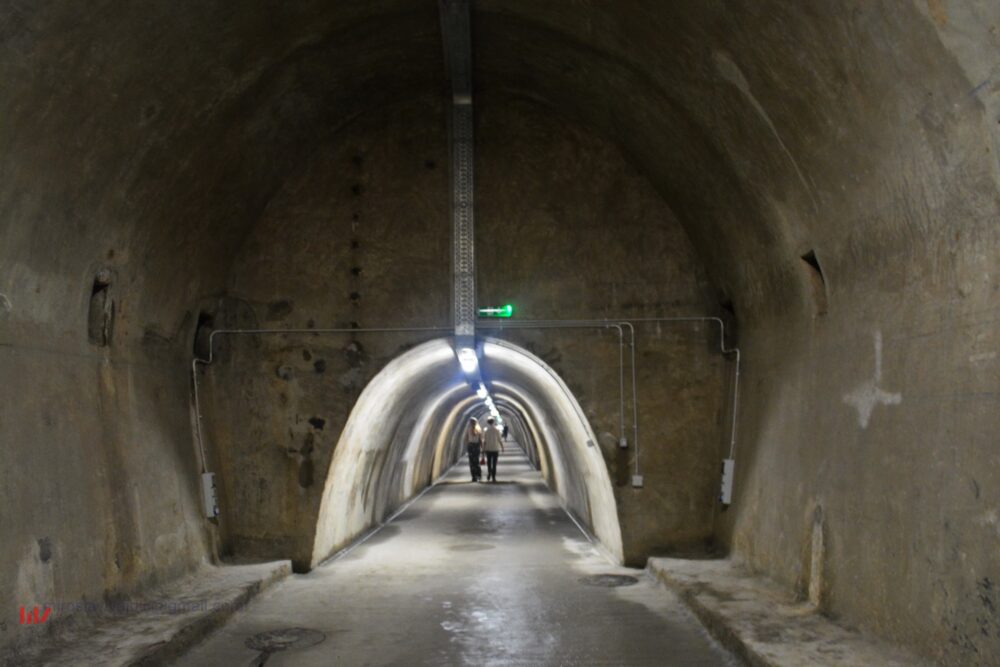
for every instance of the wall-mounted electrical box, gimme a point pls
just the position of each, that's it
(636, 481)
(726, 490)
(208, 494)
(623, 443)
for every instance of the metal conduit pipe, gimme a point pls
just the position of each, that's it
(635, 396)
(630, 322)
(258, 332)
(722, 348)
(597, 324)
(614, 323)
(580, 324)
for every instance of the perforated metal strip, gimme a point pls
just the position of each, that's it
(455, 29)
(463, 219)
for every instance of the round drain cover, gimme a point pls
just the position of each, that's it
(609, 580)
(471, 547)
(273, 641)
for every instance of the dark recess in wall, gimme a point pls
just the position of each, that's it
(202, 331)
(278, 310)
(817, 281)
(101, 314)
(728, 315)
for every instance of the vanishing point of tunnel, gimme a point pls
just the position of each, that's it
(714, 284)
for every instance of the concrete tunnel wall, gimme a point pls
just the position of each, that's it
(332, 249)
(405, 431)
(761, 139)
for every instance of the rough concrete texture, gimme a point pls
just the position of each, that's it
(470, 574)
(143, 148)
(681, 424)
(154, 628)
(333, 234)
(99, 482)
(568, 229)
(764, 625)
(356, 236)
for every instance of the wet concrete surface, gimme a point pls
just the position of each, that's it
(767, 624)
(469, 574)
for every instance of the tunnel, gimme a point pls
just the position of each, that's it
(401, 437)
(751, 253)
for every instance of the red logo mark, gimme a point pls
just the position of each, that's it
(33, 617)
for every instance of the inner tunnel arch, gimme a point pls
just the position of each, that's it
(404, 432)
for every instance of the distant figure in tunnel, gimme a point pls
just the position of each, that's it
(493, 445)
(473, 443)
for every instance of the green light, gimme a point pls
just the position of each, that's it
(502, 311)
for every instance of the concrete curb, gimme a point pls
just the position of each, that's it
(756, 619)
(166, 653)
(166, 623)
(713, 622)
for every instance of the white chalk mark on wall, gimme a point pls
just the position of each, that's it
(982, 356)
(990, 519)
(869, 394)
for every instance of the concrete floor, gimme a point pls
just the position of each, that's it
(469, 574)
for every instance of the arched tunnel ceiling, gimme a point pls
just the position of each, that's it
(204, 111)
(149, 138)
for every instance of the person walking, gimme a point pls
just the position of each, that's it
(473, 443)
(492, 445)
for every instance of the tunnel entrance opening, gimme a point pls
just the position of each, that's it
(405, 432)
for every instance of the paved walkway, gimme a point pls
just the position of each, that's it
(470, 574)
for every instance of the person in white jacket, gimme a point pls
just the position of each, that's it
(492, 445)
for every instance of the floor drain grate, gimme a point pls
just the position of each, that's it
(609, 580)
(273, 641)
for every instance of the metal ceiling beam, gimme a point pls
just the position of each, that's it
(456, 34)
